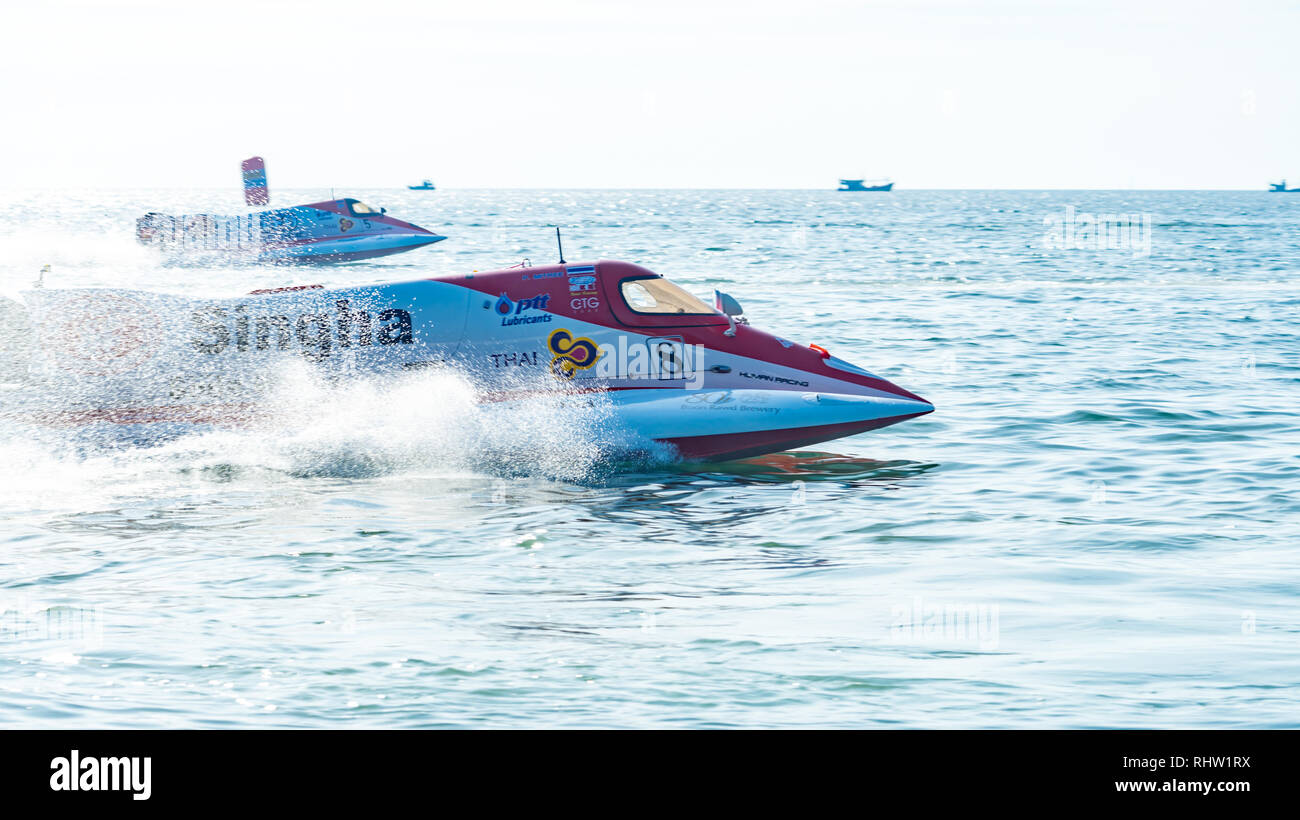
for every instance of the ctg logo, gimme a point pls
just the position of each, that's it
(582, 290)
(510, 312)
(571, 353)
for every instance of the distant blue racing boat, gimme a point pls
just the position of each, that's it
(427, 185)
(1280, 188)
(338, 230)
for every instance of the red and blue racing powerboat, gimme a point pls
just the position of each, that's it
(673, 369)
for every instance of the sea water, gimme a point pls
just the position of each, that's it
(1098, 526)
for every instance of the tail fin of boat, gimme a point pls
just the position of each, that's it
(255, 191)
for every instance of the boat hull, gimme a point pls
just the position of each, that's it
(702, 425)
(719, 425)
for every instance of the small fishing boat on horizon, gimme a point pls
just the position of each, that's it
(426, 185)
(1280, 188)
(866, 185)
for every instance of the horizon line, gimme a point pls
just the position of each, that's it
(590, 188)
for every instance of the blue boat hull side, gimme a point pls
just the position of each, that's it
(350, 249)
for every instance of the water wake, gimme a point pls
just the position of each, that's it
(417, 422)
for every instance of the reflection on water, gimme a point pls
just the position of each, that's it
(814, 466)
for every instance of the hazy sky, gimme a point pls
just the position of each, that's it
(657, 93)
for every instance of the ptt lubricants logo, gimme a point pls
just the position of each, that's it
(522, 312)
(570, 353)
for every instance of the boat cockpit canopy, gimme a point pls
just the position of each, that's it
(359, 208)
(653, 294)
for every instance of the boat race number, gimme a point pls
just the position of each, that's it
(103, 334)
(667, 357)
(220, 329)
